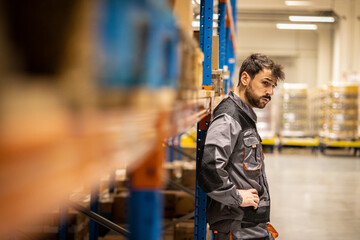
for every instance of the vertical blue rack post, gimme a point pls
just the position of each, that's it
(206, 30)
(145, 212)
(179, 155)
(200, 195)
(233, 4)
(229, 56)
(230, 51)
(221, 32)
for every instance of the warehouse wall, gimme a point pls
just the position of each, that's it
(325, 54)
(297, 51)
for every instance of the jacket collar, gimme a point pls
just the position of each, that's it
(243, 106)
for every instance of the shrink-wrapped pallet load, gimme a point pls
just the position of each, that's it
(294, 115)
(341, 109)
(265, 121)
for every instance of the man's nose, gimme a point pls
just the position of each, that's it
(270, 91)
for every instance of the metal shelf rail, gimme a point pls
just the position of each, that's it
(312, 142)
(325, 142)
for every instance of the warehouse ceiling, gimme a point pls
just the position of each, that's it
(285, 5)
(276, 10)
(263, 15)
(279, 10)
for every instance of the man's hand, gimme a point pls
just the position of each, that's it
(250, 198)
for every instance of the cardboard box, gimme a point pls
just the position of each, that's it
(184, 14)
(169, 203)
(120, 207)
(215, 53)
(173, 171)
(113, 237)
(189, 175)
(106, 203)
(48, 228)
(168, 233)
(184, 230)
(184, 203)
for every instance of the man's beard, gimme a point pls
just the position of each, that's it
(253, 100)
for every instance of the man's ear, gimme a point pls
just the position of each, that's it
(245, 78)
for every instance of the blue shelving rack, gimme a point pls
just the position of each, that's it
(136, 41)
(205, 41)
(227, 48)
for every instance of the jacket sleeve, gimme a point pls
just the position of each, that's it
(219, 144)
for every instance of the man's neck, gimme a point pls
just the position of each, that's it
(241, 94)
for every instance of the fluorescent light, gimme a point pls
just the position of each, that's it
(298, 3)
(311, 19)
(295, 26)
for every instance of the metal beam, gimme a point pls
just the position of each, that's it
(181, 187)
(179, 220)
(180, 151)
(99, 219)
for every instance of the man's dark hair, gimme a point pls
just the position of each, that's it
(257, 62)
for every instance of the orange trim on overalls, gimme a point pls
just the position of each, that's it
(272, 230)
(244, 162)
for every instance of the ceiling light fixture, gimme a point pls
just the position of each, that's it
(294, 26)
(311, 19)
(298, 3)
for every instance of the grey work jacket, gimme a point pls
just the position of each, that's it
(233, 159)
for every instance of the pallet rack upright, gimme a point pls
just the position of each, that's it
(227, 49)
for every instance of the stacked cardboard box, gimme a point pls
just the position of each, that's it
(294, 118)
(265, 122)
(316, 108)
(341, 111)
(48, 227)
(185, 231)
(190, 67)
(177, 203)
(181, 172)
(319, 99)
(120, 207)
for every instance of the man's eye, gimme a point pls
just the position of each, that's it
(267, 84)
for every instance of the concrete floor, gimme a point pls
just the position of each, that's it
(314, 196)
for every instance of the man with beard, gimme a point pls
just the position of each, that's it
(232, 170)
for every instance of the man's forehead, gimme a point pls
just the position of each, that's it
(268, 75)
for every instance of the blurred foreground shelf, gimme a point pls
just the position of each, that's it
(50, 151)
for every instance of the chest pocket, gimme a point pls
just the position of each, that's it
(252, 151)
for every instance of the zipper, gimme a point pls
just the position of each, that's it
(255, 153)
